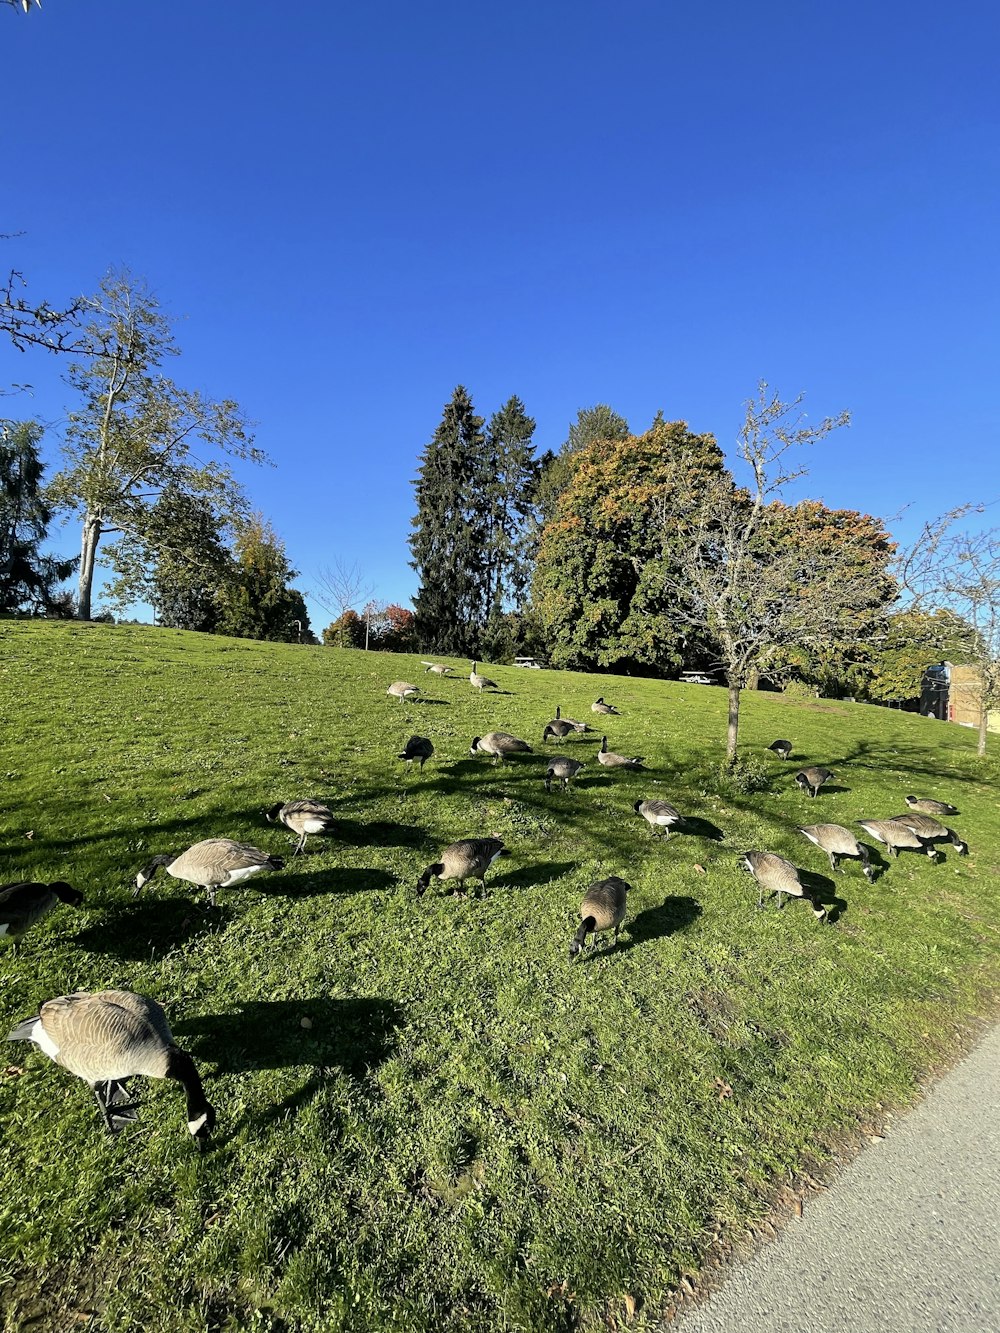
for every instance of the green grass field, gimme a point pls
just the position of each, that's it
(429, 1118)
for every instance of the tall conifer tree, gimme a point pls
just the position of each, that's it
(448, 535)
(509, 476)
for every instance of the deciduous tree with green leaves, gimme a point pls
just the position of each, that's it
(258, 602)
(135, 432)
(599, 584)
(752, 573)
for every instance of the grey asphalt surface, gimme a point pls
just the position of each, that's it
(906, 1238)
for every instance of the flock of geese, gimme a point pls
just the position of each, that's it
(109, 1037)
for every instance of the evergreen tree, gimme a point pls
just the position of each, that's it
(506, 487)
(448, 541)
(599, 422)
(27, 578)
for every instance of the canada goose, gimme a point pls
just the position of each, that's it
(216, 863)
(481, 682)
(437, 669)
(402, 689)
(562, 767)
(811, 779)
(114, 1035)
(581, 727)
(603, 908)
(498, 744)
(659, 815)
(601, 707)
(303, 818)
(838, 841)
(925, 826)
(417, 747)
(897, 837)
(21, 905)
(926, 806)
(783, 749)
(468, 859)
(611, 760)
(780, 876)
(558, 729)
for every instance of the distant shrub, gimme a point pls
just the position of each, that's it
(743, 777)
(798, 689)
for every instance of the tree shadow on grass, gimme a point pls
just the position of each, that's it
(344, 880)
(675, 913)
(354, 1034)
(153, 926)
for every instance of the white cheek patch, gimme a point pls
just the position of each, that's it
(195, 1125)
(42, 1039)
(4, 928)
(495, 855)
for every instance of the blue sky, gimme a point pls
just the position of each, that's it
(352, 209)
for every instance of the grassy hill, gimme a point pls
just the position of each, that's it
(429, 1118)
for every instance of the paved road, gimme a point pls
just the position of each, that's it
(907, 1238)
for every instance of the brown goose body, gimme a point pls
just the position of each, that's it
(659, 815)
(480, 682)
(499, 744)
(558, 729)
(564, 768)
(303, 818)
(897, 837)
(215, 863)
(419, 748)
(402, 689)
(605, 709)
(435, 668)
(780, 877)
(925, 806)
(811, 779)
(611, 760)
(926, 826)
(469, 858)
(603, 908)
(838, 841)
(24, 904)
(783, 749)
(109, 1036)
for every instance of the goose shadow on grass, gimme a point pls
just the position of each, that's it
(824, 891)
(675, 914)
(530, 876)
(377, 833)
(152, 926)
(343, 880)
(354, 1034)
(696, 827)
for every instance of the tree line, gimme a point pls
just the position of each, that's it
(645, 553)
(146, 473)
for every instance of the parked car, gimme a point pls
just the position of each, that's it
(528, 662)
(696, 678)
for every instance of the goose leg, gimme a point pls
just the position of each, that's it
(210, 891)
(760, 896)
